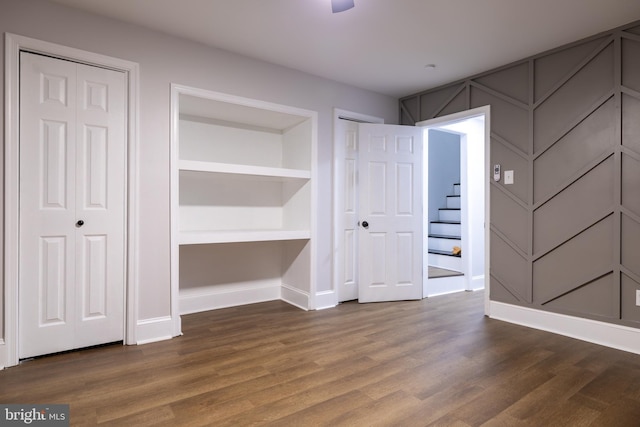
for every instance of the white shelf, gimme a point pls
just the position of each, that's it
(237, 236)
(243, 170)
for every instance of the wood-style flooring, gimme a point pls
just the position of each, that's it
(436, 362)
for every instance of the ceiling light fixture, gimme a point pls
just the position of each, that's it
(341, 5)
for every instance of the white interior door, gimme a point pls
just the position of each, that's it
(72, 205)
(390, 212)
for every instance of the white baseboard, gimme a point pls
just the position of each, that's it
(445, 285)
(3, 354)
(212, 299)
(295, 297)
(147, 331)
(606, 334)
(155, 329)
(476, 283)
(326, 299)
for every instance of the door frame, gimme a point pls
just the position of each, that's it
(338, 179)
(440, 122)
(13, 45)
(472, 203)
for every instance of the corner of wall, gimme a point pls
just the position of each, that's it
(326, 299)
(295, 297)
(153, 330)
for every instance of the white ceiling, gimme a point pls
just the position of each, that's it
(380, 45)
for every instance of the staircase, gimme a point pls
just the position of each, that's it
(445, 233)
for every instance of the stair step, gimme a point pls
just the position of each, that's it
(453, 202)
(440, 252)
(445, 261)
(449, 214)
(444, 243)
(447, 228)
(456, 189)
(444, 236)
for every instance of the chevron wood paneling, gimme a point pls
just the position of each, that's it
(509, 121)
(595, 297)
(628, 306)
(575, 98)
(630, 236)
(631, 63)
(630, 122)
(566, 236)
(433, 105)
(579, 149)
(458, 103)
(512, 82)
(512, 215)
(552, 67)
(507, 266)
(631, 183)
(578, 261)
(506, 154)
(575, 208)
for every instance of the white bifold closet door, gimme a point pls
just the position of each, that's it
(72, 205)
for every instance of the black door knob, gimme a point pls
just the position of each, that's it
(365, 224)
(80, 223)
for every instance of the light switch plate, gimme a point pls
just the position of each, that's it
(508, 177)
(638, 297)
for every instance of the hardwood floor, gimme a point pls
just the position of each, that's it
(436, 362)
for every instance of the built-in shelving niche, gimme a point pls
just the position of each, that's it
(243, 201)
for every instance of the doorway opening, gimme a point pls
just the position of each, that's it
(442, 184)
(472, 129)
(454, 201)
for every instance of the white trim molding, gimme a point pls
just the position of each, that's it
(13, 45)
(3, 362)
(326, 299)
(295, 297)
(154, 330)
(475, 142)
(475, 281)
(593, 331)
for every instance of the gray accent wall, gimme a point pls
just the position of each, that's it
(444, 169)
(565, 237)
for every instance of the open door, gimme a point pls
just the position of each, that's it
(390, 212)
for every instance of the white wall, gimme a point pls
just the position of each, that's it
(164, 60)
(472, 174)
(444, 169)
